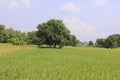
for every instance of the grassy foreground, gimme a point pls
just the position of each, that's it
(60, 64)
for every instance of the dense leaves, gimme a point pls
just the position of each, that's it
(91, 43)
(113, 41)
(54, 32)
(12, 36)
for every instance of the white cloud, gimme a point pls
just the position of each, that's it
(71, 7)
(26, 3)
(78, 26)
(83, 30)
(13, 4)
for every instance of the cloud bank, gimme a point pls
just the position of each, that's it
(83, 30)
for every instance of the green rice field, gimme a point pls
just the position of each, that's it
(69, 63)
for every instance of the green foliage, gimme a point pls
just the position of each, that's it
(2, 28)
(1, 38)
(32, 38)
(100, 42)
(118, 41)
(67, 64)
(19, 38)
(16, 41)
(113, 41)
(73, 40)
(54, 32)
(91, 43)
(9, 35)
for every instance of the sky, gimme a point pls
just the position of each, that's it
(87, 19)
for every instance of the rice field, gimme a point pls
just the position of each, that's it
(69, 63)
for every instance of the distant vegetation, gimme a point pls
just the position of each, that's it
(113, 41)
(53, 33)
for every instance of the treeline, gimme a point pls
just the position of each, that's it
(53, 33)
(112, 41)
(12, 36)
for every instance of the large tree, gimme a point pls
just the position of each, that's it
(53, 32)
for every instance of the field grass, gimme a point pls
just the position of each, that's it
(60, 64)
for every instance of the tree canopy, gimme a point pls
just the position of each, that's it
(54, 32)
(91, 43)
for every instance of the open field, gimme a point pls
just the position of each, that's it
(31, 63)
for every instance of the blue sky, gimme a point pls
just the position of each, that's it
(87, 19)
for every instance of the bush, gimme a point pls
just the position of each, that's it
(16, 41)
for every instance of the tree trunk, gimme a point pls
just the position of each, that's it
(55, 45)
(50, 45)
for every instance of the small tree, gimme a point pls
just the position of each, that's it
(73, 40)
(16, 41)
(100, 43)
(91, 43)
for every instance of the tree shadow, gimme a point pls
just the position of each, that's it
(49, 47)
